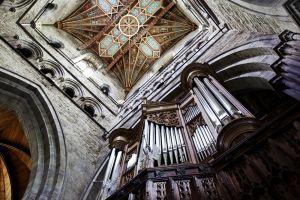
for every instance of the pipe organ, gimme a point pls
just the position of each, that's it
(111, 176)
(163, 144)
(218, 108)
(187, 131)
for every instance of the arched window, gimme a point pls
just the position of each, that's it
(70, 92)
(50, 6)
(51, 69)
(56, 45)
(72, 88)
(28, 49)
(27, 53)
(105, 89)
(91, 107)
(90, 110)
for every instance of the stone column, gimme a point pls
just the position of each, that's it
(218, 107)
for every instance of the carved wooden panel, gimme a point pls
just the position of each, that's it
(160, 190)
(184, 189)
(168, 118)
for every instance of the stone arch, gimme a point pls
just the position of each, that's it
(253, 59)
(72, 85)
(265, 7)
(28, 49)
(246, 71)
(12, 5)
(55, 70)
(91, 103)
(256, 94)
(105, 89)
(43, 131)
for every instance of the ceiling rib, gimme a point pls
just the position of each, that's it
(110, 24)
(140, 35)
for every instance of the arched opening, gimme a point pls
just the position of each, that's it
(47, 71)
(105, 89)
(56, 45)
(45, 138)
(265, 3)
(70, 92)
(89, 109)
(15, 158)
(50, 6)
(27, 53)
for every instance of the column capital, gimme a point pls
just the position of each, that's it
(191, 71)
(119, 138)
(235, 131)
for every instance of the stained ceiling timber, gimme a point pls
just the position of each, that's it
(15, 160)
(128, 35)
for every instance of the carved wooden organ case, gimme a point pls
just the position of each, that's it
(169, 134)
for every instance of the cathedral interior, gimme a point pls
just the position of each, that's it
(150, 99)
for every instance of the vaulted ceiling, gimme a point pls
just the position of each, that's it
(128, 35)
(15, 160)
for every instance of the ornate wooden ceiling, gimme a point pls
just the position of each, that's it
(129, 35)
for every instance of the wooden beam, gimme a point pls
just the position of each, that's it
(140, 35)
(110, 23)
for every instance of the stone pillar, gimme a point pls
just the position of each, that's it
(218, 107)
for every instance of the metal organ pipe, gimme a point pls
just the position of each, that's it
(234, 112)
(183, 144)
(197, 145)
(204, 142)
(174, 144)
(169, 144)
(116, 167)
(179, 145)
(164, 145)
(151, 135)
(158, 141)
(213, 118)
(110, 164)
(212, 101)
(212, 139)
(145, 134)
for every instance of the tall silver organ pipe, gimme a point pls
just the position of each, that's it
(165, 145)
(211, 115)
(112, 174)
(212, 101)
(179, 145)
(231, 109)
(183, 145)
(169, 144)
(204, 142)
(219, 109)
(158, 142)
(175, 145)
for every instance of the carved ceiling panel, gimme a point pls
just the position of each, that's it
(129, 35)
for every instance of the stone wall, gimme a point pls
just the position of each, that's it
(84, 145)
(250, 17)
